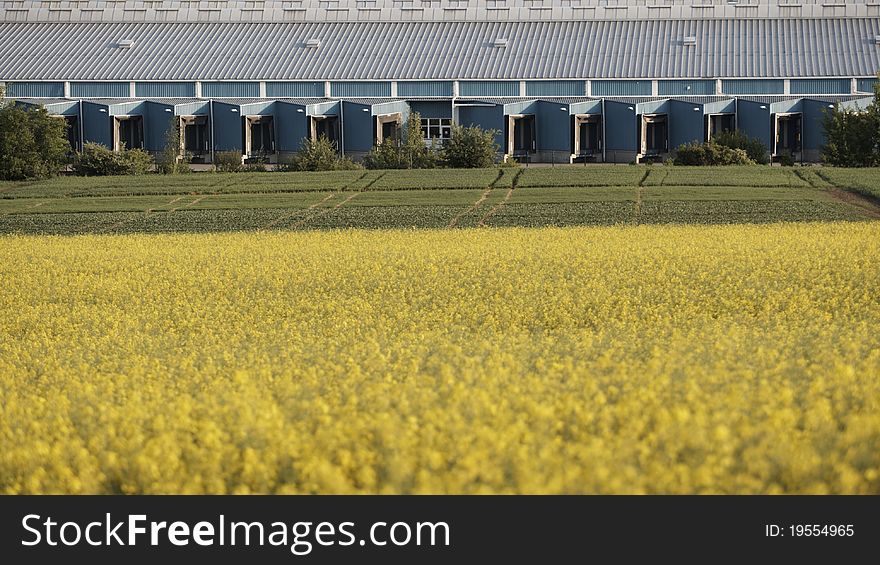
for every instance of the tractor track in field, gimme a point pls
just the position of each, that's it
(29, 207)
(374, 181)
(290, 215)
(147, 212)
(513, 184)
(868, 205)
(324, 211)
(637, 208)
(479, 201)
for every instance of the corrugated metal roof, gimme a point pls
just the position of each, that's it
(441, 50)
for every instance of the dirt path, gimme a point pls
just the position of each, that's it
(868, 206)
(372, 182)
(295, 212)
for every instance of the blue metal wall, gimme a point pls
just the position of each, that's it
(685, 87)
(753, 119)
(424, 88)
(100, 90)
(621, 126)
(555, 88)
(436, 109)
(158, 118)
(360, 89)
(291, 125)
(867, 84)
(231, 90)
(227, 126)
(165, 89)
(812, 130)
(295, 89)
(35, 89)
(753, 86)
(488, 88)
(357, 127)
(685, 123)
(620, 88)
(821, 86)
(486, 117)
(96, 124)
(553, 125)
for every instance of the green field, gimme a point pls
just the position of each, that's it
(537, 196)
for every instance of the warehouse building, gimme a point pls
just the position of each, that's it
(559, 80)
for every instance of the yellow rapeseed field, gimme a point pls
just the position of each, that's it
(741, 359)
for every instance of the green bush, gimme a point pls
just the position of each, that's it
(228, 162)
(710, 153)
(471, 147)
(754, 147)
(98, 160)
(411, 153)
(318, 155)
(852, 138)
(33, 144)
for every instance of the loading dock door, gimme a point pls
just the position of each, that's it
(194, 136)
(128, 132)
(521, 135)
(587, 136)
(788, 134)
(718, 123)
(387, 127)
(655, 139)
(325, 126)
(259, 135)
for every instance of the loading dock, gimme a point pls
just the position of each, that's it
(324, 126)
(195, 138)
(586, 137)
(654, 141)
(718, 123)
(521, 135)
(787, 129)
(259, 138)
(128, 132)
(387, 127)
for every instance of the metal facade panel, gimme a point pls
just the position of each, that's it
(685, 87)
(35, 89)
(488, 88)
(230, 89)
(313, 89)
(621, 88)
(165, 89)
(424, 88)
(442, 50)
(753, 86)
(555, 88)
(367, 89)
(100, 90)
(821, 86)
(867, 84)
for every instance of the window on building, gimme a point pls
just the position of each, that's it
(436, 130)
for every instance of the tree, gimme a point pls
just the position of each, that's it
(852, 137)
(471, 147)
(33, 144)
(169, 161)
